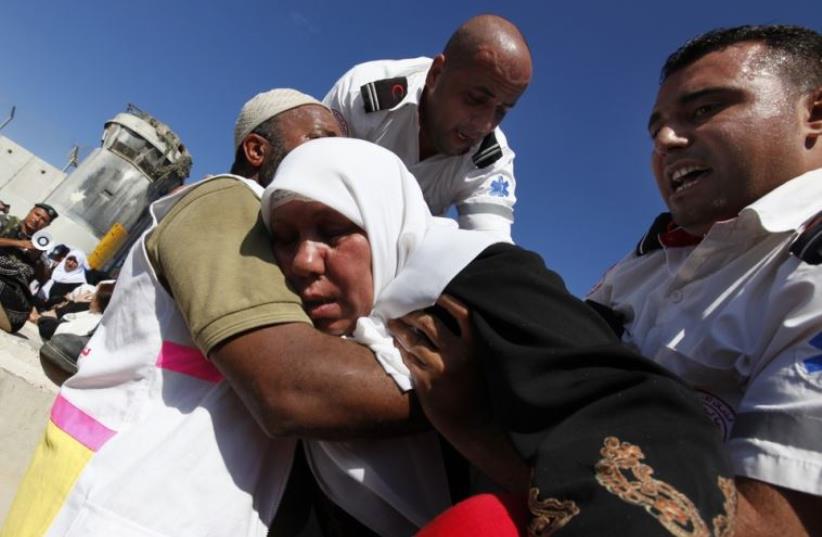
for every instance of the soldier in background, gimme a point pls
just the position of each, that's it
(20, 263)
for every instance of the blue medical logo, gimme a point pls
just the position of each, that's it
(814, 363)
(499, 187)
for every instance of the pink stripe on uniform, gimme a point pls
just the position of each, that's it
(79, 425)
(188, 361)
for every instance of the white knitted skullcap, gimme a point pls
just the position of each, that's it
(266, 105)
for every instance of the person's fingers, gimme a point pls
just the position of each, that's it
(432, 328)
(411, 362)
(403, 333)
(459, 312)
(420, 372)
(426, 329)
(410, 339)
(416, 345)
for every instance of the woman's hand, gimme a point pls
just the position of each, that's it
(447, 382)
(452, 393)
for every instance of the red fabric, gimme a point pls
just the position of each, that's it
(676, 237)
(494, 515)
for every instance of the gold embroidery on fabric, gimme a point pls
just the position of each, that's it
(549, 515)
(724, 525)
(622, 473)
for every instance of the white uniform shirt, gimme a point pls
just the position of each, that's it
(740, 318)
(484, 197)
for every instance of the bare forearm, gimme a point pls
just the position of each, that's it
(489, 449)
(299, 382)
(764, 510)
(6, 242)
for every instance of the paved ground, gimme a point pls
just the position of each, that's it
(26, 393)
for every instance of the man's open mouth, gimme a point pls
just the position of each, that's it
(467, 138)
(686, 176)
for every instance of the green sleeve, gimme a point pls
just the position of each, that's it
(212, 254)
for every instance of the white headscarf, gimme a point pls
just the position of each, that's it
(61, 275)
(414, 256)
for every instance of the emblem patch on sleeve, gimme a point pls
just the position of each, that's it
(814, 363)
(810, 367)
(499, 188)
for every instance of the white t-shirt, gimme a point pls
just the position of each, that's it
(484, 196)
(80, 323)
(740, 318)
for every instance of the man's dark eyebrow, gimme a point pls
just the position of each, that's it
(484, 90)
(706, 92)
(695, 96)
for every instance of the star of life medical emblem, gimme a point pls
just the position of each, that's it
(814, 363)
(499, 188)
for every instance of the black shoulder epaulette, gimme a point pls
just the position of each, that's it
(650, 241)
(808, 245)
(383, 94)
(488, 153)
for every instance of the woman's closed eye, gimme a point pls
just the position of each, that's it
(282, 238)
(336, 232)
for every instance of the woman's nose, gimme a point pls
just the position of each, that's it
(309, 258)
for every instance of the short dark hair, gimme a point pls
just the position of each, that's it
(794, 50)
(103, 295)
(270, 130)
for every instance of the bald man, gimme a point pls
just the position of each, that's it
(441, 118)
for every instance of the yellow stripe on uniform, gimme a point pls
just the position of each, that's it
(56, 465)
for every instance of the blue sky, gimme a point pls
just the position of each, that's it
(584, 185)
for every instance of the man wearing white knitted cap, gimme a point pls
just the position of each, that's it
(273, 123)
(183, 416)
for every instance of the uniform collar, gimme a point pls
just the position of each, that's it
(665, 234)
(786, 208)
(789, 206)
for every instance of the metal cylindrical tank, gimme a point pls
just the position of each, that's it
(103, 203)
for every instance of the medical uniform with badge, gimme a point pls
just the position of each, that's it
(738, 314)
(378, 101)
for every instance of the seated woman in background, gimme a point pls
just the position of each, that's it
(67, 275)
(55, 256)
(77, 322)
(65, 337)
(586, 435)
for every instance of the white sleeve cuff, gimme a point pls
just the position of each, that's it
(783, 466)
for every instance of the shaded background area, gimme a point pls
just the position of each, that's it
(584, 185)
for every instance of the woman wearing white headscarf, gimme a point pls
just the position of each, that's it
(354, 238)
(67, 275)
(403, 483)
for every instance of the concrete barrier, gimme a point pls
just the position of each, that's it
(27, 391)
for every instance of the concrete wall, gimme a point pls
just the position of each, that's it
(25, 179)
(26, 395)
